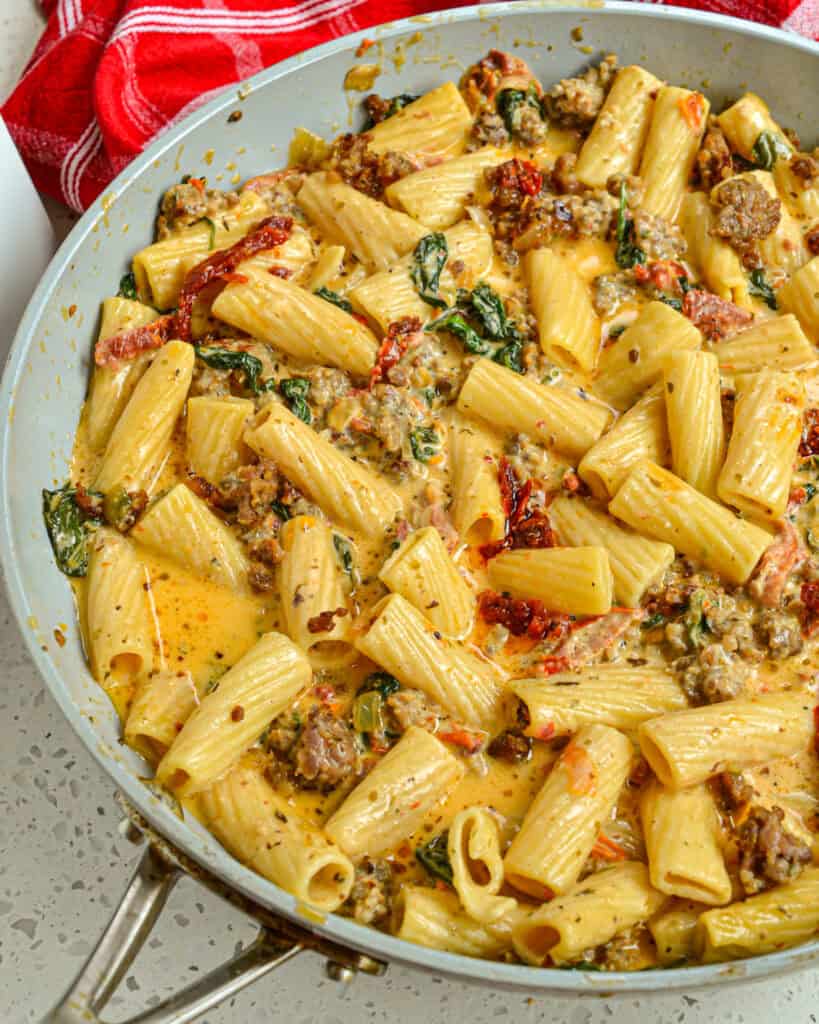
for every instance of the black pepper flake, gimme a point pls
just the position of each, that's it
(633, 356)
(235, 116)
(670, 387)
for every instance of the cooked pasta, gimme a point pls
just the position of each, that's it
(440, 519)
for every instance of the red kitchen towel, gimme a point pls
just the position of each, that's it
(109, 75)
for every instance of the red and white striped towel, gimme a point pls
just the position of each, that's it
(109, 75)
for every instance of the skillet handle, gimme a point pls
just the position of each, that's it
(125, 935)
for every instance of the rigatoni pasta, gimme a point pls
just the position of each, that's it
(440, 518)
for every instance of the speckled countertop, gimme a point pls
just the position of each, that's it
(64, 863)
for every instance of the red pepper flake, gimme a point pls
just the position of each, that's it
(237, 714)
(324, 692)
(554, 663)
(59, 636)
(809, 445)
(198, 184)
(522, 617)
(663, 274)
(520, 175)
(545, 732)
(461, 737)
(235, 278)
(282, 272)
(364, 46)
(572, 483)
(395, 344)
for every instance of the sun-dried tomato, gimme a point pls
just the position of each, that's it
(524, 529)
(271, 232)
(393, 347)
(522, 617)
(519, 176)
(715, 317)
(131, 343)
(810, 599)
(809, 445)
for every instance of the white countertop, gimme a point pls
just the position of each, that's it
(63, 866)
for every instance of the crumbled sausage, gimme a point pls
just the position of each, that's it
(189, 202)
(714, 163)
(562, 177)
(780, 634)
(745, 214)
(769, 854)
(778, 561)
(412, 707)
(806, 167)
(366, 171)
(712, 675)
(488, 130)
(576, 102)
(325, 752)
(370, 899)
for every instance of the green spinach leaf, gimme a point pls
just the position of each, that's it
(337, 300)
(455, 322)
(511, 104)
(758, 286)
(429, 259)
(424, 442)
(628, 253)
(383, 682)
(487, 306)
(127, 286)
(510, 356)
(294, 390)
(434, 857)
(230, 359)
(65, 524)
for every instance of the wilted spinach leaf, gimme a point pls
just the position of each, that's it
(67, 531)
(424, 442)
(337, 300)
(434, 857)
(381, 681)
(127, 286)
(511, 104)
(768, 148)
(456, 324)
(229, 359)
(295, 390)
(628, 253)
(429, 259)
(758, 286)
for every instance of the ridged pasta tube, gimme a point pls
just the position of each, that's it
(594, 911)
(717, 262)
(564, 820)
(477, 865)
(687, 747)
(112, 386)
(636, 562)
(693, 399)
(677, 125)
(744, 121)
(261, 829)
(422, 571)
(183, 528)
(800, 296)
(139, 442)
(552, 415)
(568, 329)
(477, 506)
(403, 641)
(618, 135)
(376, 235)
(636, 359)
(756, 476)
(605, 694)
(437, 195)
(776, 343)
(214, 429)
(674, 929)
(118, 627)
(435, 919)
(434, 125)
(161, 706)
(303, 325)
(682, 835)
(309, 587)
(573, 581)
(777, 919)
(390, 803)
(640, 433)
(660, 505)
(345, 490)
(265, 681)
